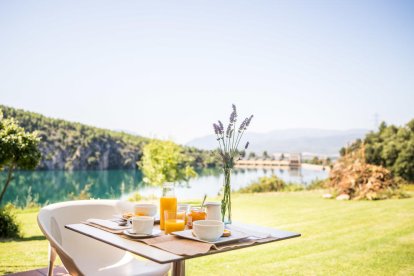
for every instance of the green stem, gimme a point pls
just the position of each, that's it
(226, 201)
(241, 135)
(234, 134)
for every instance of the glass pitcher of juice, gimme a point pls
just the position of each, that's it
(168, 202)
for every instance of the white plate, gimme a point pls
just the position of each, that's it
(235, 236)
(156, 218)
(155, 232)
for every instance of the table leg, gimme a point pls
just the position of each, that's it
(178, 268)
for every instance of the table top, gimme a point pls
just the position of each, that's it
(161, 256)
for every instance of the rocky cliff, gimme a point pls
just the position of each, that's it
(73, 146)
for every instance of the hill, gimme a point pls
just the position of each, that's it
(317, 141)
(73, 146)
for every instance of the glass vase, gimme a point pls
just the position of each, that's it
(226, 201)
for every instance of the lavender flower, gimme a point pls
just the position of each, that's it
(216, 129)
(221, 127)
(233, 115)
(229, 130)
(243, 125)
(229, 139)
(249, 120)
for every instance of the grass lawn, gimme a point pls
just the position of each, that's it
(348, 238)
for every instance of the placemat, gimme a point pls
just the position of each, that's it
(184, 247)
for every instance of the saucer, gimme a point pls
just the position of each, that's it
(119, 217)
(155, 232)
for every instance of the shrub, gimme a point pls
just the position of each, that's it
(9, 228)
(265, 184)
(317, 184)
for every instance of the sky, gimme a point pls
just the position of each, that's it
(170, 69)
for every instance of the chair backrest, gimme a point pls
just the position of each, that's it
(73, 248)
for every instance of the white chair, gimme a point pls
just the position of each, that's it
(82, 255)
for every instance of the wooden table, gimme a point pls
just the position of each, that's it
(164, 257)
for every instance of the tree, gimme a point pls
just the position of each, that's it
(282, 157)
(265, 155)
(252, 155)
(18, 149)
(315, 160)
(164, 161)
(391, 147)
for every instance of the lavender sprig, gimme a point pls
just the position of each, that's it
(233, 115)
(229, 140)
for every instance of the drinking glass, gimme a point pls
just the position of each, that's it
(185, 209)
(196, 213)
(173, 221)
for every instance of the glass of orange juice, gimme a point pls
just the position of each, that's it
(173, 221)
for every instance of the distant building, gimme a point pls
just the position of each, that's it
(295, 159)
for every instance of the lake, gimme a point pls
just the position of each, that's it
(52, 186)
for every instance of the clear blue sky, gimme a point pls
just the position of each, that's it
(169, 69)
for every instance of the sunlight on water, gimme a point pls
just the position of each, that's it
(211, 184)
(52, 186)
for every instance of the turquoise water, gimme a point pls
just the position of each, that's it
(52, 186)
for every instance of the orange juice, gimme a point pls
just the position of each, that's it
(172, 225)
(167, 204)
(196, 213)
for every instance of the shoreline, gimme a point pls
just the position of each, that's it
(284, 167)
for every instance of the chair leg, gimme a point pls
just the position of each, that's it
(52, 258)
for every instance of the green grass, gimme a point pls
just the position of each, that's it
(345, 238)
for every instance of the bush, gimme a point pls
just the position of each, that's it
(316, 184)
(9, 228)
(275, 184)
(265, 184)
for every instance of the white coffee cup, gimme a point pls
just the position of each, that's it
(142, 225)
(145, 209)
(208, 230)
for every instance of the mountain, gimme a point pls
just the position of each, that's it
(73, 146)
(316, 141)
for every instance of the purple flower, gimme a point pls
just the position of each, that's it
(233, 115)
(227, 147)
(229, 130)
(243, 124)
(249, 120)
(221, 127)
(216, 129)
